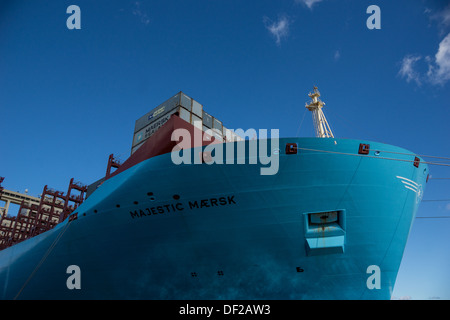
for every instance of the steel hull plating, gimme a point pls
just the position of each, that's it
(233, 233)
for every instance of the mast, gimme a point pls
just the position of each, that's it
(321, 125)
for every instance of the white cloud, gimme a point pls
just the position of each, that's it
(308, 3)
(140, 13)
(337, 55)
(407, 69)
(279, 29)
(442, 17)
(439, 70)
(439, 65)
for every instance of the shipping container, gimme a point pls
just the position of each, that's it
(151, 128)
(196, 121)
(184, 114)
(217, 134)
(188, 110)
(185, 101)
(197, 108)
(180, 99)
(230, 135)
(217, 124)
(207, 120)
(224, 133)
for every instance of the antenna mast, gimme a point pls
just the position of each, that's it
(321, 125)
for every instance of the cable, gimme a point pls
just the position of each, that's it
(301, 122)
(441, 217)
(49, 250)
(377, 157)
(435, 200)
(410, 154)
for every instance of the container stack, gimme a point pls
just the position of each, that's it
(187, 109)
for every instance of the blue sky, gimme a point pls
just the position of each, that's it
(69, 98)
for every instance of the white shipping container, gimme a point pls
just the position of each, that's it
(197, 108)
(196, 121)
(187, 109)
(207, 120)
(229, 135)
(158, 112)
(217, 133)
(185, 101)
(185, 115)
(151, 128)
(217, 124)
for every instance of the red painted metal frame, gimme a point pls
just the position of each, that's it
(32, 220)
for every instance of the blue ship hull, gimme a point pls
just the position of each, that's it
(165, 231)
